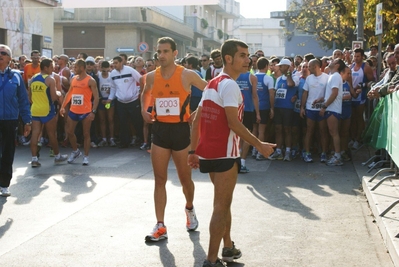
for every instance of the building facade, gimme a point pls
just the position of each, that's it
(135, 30)
(27, 25)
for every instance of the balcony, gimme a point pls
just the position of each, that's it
(212, 36)
(197, 25)
(145, 18)
(283, 14)
(229, 9)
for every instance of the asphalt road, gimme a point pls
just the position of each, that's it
(284, 214)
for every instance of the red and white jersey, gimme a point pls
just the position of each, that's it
(217, 140)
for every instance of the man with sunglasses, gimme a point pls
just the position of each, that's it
(204, 64)
(15, 103)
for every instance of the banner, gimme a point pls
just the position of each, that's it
(393, 120)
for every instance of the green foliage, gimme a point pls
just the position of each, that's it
(335, 20)
(204, 23)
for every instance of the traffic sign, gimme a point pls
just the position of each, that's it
(143, 47)
(378, 20)
(120, 50)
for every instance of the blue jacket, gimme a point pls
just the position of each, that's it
(14, 100)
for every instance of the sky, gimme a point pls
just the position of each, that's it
(260, 8)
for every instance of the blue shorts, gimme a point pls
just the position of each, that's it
(77, 117)
(335, 114)
(44, 120)
(314, 115)
(346, 112)
(101, 106)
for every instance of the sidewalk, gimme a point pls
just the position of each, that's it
(379, 199)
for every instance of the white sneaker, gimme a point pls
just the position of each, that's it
(356, 145)
(4, 192)
(112, 142)
(74, 155)
(61, 158)
(85, 160)
(102, 143)
(92, 144)
(192, 222)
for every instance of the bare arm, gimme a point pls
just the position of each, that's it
(94, 90)
(146, 97)
(50, 82)
(255, 98)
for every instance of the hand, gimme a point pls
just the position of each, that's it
(266, 149)
(372, 94)
(62, 112)
(193, 161)
(271, 113)
(358, 91)
(258, 118)
(27, 129)
(147, 117)
(302, 113)
(321, 112)
(91, 116)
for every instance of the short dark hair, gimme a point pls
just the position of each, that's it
(84, 55)
(316, 61)
(45, 63)
(123, 56)
(168, 40)
(215, 53)
(275, 60)
(193, 61)
(105, 64)
(150, 59)
(34, 52)
(392, 46)
(309, 57)
(229, 47)
(341, 64)
(117, 58)
(374, 46)
(155, 56)
(81, 62)
(207, 56)
(262, 63)
(359, 50)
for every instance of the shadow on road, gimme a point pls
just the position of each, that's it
(167, 258)
(75, 186)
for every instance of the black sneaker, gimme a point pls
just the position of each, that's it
(218, 263)
(231, 254)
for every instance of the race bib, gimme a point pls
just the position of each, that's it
(169, 106)
(344, 95)
(77, 100)
(317, 105)
(281, 93)
(298, 104)
(105, 88)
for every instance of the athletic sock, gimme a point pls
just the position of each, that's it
(243, 162)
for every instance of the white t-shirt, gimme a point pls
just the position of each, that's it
(316, 87)
(334, 81)
(106, 86)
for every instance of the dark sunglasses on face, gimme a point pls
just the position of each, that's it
(4, 53)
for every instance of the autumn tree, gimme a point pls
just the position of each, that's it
(334, 21)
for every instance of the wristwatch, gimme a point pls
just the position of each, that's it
(324, 106)
(190, 152)
(28, 123)
(94, 111)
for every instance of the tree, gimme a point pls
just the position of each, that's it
(334, 21)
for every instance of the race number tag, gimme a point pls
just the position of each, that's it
(281, 93)
(298, 104)
(317, 105)
(168, 106)
(77, 100)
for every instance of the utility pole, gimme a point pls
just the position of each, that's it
(360, 20)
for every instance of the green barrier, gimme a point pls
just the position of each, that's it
(382, 131)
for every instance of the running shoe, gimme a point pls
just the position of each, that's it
(144, 146)
(192, 222)
(74, 155)
(85, 160)
(294, 154)
(345, 156)
(231, 254)
(323, 157)
(61, 158)
(260, 157)
(102, 143)
(92, 144)
(276, 156)
(254, 153)
(218, 263)
(334, 161)
(4, 192)
(35, 164)
(112, 142)
(244, 169)
(287, 156)
(158, 233)
(307, 157)
(356, 145)
(350, 144)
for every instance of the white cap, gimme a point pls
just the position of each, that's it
(284, 62)
(90, 59)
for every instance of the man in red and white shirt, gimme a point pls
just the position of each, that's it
(215, 138)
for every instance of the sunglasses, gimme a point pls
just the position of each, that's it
(3, 53)
(149, 65)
